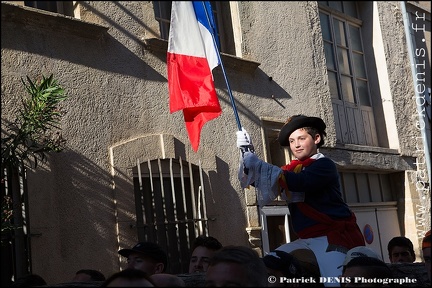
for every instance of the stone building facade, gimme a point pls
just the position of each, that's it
(351, 64)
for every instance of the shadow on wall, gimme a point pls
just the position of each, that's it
(106, 54)
(228, 210)
(73, 217)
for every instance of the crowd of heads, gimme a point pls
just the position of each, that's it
(242, 266)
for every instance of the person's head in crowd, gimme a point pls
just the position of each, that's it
(401, 250)
(282, 264)
(146, 256)
(236, 266)
(359, 251)
(85, 275)
(129, 278)
(203, 249)
(167, 280)
(30, 280)
(366, 271)
(309, 266)
(426, 250)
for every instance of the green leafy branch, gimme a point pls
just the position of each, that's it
(36, 129)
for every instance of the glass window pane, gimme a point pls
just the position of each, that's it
(276, 224)
(347, 89)
(342, 186)
(350, 188)
(336, 5)
(363, 92)
(355, 38)
(277, 153)
(334, 92)
(350, 8)
(386, 187)
(375, 187)
(325, 26)
(162, 10)
(339, 32)
(363, 188)
(217, 18)
(330, 61)
(343, 59)
(43, 5)
(359, 65)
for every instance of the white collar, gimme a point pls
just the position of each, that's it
(317, 156)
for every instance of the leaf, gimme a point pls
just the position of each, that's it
(36, 127)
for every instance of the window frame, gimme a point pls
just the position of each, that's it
(354, 121)
(66, 8)
(225, 25)
(170, 206)
(366, 187)
(272, 211)
(276, 155)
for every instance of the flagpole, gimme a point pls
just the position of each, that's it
(223, 70)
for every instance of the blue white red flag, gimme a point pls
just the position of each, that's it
(191, 57)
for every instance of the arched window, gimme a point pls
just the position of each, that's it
(170, 206)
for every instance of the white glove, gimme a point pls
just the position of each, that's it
(243, 139)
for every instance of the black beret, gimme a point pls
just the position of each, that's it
(301, 121)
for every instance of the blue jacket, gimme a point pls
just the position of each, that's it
(321, 185)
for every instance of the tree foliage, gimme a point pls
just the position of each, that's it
(35, 130)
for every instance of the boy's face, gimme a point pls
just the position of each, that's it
(302, 144)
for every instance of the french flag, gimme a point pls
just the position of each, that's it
(191, 57)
